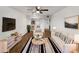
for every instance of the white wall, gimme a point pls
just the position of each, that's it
(57, 19)
(21, 21)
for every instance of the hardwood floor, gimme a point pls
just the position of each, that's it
(20, 45)
(47, 33)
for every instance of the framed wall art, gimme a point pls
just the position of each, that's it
(72, 22)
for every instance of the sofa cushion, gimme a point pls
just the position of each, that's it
(58, 42)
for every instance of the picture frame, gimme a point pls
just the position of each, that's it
(72, 22)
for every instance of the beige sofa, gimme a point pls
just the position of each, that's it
(62, 40)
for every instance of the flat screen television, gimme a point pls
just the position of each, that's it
(8, 24)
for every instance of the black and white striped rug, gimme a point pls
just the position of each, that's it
(49, 48)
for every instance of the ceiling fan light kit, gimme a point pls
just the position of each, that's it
(37, 12)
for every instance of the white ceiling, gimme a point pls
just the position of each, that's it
(29, 9)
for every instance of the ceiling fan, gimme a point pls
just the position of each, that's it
(39, 10)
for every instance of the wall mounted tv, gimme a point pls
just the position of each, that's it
(8, 24)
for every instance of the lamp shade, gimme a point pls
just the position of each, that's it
(76, 38)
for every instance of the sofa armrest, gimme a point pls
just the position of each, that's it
(59, 43)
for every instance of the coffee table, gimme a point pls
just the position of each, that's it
(38, 41)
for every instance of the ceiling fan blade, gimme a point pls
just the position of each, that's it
(37, 8)
(41, 12)
(44, 10)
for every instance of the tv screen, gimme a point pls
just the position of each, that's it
(8, 24)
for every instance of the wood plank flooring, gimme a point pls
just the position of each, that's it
(24, 47)
(20, 45)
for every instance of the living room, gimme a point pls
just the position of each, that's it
(54, 20)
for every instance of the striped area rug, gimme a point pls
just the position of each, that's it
(50, 47)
